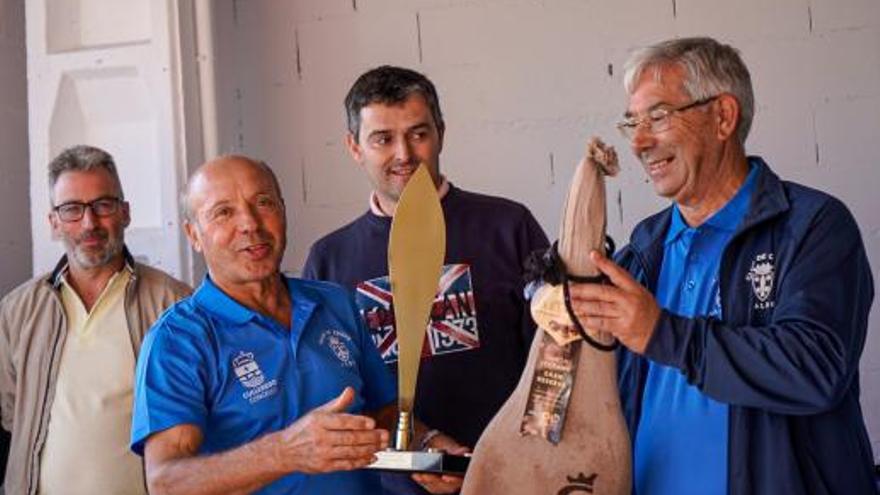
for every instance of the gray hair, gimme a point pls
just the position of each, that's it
(711, 68)
(82, 158)
(185, 207)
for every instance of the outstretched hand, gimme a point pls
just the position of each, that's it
(329, 439)
(624, 308)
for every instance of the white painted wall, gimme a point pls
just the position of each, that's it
(524, 83)
(15, 236)
(110, 74)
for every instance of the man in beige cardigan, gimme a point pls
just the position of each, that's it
(69, 340)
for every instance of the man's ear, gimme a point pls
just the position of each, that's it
(126, 214)
(192, 234)
(354, 149)
(54, 225)
(728, 116)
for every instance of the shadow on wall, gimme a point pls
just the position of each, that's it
(4, 454)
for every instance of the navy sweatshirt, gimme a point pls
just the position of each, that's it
(481, 328)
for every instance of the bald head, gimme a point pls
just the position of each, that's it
(223, 166)
(236, 220)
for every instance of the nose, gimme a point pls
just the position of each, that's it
(403, 151)
(89, 218)
(248, 220)
(642, 139)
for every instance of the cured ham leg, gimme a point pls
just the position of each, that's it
(586, 449)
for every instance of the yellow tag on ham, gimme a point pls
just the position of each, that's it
(549, 313)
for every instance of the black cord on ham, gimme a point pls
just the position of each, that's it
(548, 267)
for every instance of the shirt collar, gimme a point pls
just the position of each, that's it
(59, 273)
(769, 199)
(377, 210)
(677, 225)
(727, 218)
(214, 300)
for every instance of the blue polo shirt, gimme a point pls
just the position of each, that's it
(681, 441)
(237, 375)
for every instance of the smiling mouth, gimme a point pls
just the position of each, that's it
(92, 240)
(402, 171)
(257, 250)
(655, 166)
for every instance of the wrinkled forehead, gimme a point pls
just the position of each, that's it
(228, 181)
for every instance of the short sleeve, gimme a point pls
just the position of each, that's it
(171, 381)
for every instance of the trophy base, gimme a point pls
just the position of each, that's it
(431, 461)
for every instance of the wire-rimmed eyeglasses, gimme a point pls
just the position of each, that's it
(657, 120)
(73, 211)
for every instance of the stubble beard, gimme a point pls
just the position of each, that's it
(96, 259)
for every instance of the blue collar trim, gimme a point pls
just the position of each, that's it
(728, 217)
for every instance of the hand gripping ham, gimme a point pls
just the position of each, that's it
(529, 450)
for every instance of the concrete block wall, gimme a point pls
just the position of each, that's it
(524, 83)
(15, 234)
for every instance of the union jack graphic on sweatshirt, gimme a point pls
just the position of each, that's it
(453, 326)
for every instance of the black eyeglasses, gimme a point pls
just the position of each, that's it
(657, 119)
(73, 211)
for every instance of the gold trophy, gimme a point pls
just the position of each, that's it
(416, 249)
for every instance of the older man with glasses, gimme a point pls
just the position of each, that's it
(69, 339)
(743, 306)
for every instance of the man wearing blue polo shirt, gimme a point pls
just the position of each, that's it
(258, 382)
(743, 307)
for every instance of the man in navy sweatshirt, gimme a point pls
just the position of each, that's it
(743, 307)
(480, 332)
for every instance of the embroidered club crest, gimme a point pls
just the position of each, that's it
(761, 275)
(338, 343)
(247, 370)
(339, 349)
